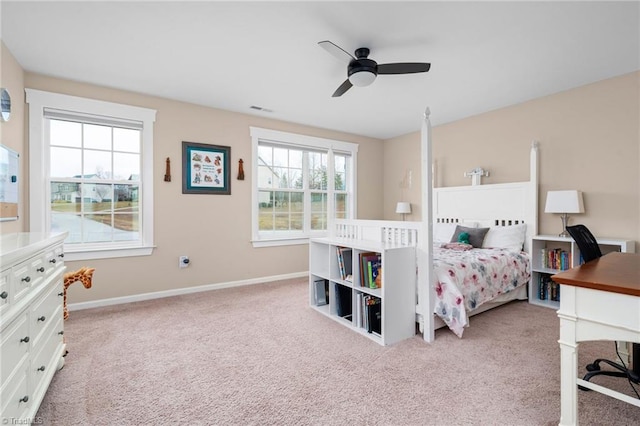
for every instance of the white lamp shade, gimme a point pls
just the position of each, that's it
(564, 202)
(403, 207)
(362, 78)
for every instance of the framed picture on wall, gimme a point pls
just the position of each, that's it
(206, 169)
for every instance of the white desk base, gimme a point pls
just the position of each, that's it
(587, 314)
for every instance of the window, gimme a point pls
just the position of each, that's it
(297, 181)
(91, 174)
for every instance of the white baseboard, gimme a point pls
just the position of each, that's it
(180, 291)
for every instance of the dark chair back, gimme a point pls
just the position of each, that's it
(586, 242)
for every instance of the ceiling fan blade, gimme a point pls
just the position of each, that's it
(403, 68)
(336, 51)
(343, 88)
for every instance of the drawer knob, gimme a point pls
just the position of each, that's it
(4, 295)
(61, 255)
(24, 399)
(52, 261)
(25, 339)
(61, 332)
(61, 294)
(40, 269)
(42, 318)
(41, 368)
(26, 279)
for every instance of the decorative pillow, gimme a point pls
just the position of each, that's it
(442, 232)
(476, 235)
(507, 237)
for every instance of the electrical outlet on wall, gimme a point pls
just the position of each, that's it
(184, 261)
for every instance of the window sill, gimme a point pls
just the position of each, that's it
(105, 253)
(280, 242)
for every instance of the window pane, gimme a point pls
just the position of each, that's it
(126, 196)
(97, 164)
(281, 222)
(97, 228)
(127, 140)
(65, 133)
(280, 157)
(341, 206)
(265, 201)
(295, 158)
(318, 202)
(126, 166)
(97, 137)
(296, 202)
(265, 221)
(64, 197)
(265, 177)
(265, 155)
(318, 221)
(297, 222)
(96, 197)
(65, 162)
(67, 222)
(281, 178)
(281, 201)
(127, 227)
(295, 178)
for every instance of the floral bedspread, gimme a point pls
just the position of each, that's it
(465, 279)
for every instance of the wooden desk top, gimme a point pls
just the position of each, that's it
(613, 272)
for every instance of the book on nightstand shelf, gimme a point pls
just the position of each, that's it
(344, 262)
(343, 301)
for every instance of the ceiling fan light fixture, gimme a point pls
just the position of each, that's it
(362, 78)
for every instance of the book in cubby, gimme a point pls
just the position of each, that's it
(321, 292)
(547, 288)
(345, 265)
(370, 270)
(343, 301)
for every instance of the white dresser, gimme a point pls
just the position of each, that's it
(31, 324)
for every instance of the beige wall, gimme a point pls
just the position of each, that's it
(589, 140)
(12, 131)
(213, 230)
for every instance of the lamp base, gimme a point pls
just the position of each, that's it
(565, 219)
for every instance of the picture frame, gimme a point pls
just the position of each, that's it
(206, 169)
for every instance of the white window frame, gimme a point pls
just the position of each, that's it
(294, 141)
(39, 170)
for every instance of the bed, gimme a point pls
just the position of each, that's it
(454, 282)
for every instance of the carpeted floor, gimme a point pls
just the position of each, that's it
(258, 355)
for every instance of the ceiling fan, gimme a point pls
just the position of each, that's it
(362, 71)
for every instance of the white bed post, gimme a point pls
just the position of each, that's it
(426, 293)
(533, 196)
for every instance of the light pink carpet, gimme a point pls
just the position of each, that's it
(258, 355)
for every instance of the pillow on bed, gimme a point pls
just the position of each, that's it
(507, 237)
(476, 235)
(442, 232)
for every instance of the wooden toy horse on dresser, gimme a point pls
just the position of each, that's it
(84, 275)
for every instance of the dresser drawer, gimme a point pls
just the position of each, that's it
(45, 310)
(52, 260)
(5, 291)
(14, 346)
(14, 396)
(43, 365)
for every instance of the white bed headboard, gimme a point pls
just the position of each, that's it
(501, 204)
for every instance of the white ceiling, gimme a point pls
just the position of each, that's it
(231, 55)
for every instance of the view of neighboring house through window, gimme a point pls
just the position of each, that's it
(95, 181)
(293, 190)
(91, 174)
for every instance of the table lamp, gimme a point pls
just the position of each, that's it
(564, 202)
(403, 208)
